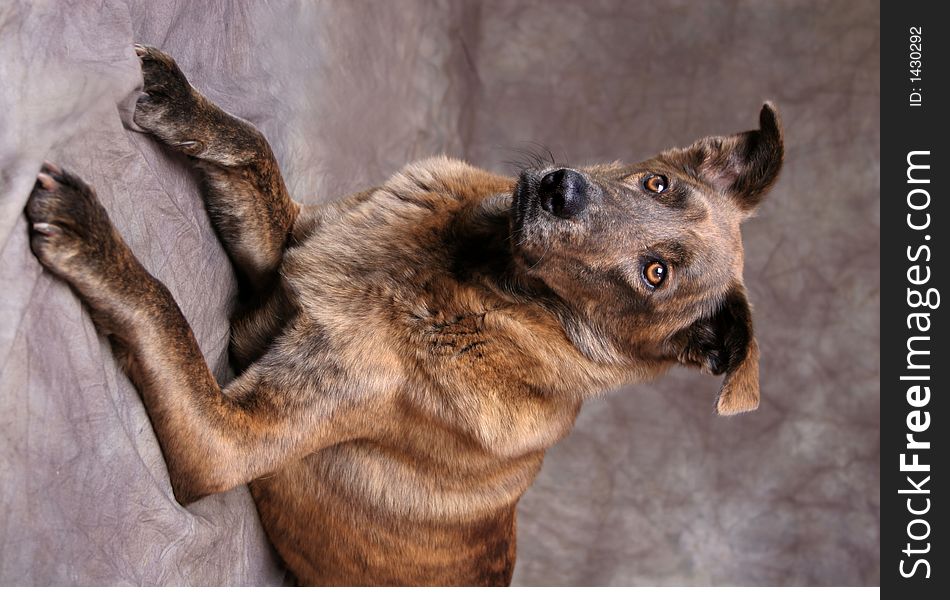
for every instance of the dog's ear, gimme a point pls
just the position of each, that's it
(723, 343)
(744, 165)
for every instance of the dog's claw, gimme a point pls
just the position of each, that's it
(46, 182)
(51, 168)
(189, 147)
(46, 229)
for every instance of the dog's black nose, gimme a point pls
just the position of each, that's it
(563, 193)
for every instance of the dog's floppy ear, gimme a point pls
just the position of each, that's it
(724, 343)
(744, 165)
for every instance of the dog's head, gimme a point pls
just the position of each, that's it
(648, 257)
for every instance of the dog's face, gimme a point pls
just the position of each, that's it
(648, 257)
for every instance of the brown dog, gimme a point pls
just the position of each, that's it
(407, 355)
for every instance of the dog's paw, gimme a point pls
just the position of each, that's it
(70, 231)
(169, 108)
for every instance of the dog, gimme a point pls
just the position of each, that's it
(406, 356)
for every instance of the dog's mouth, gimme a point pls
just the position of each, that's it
(524, 207)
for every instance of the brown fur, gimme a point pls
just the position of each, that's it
(407, 355)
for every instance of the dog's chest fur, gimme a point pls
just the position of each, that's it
(409, 284)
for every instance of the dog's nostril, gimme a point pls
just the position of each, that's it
(551, 181)
(563, 193)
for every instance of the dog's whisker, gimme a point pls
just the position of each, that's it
(543, 254)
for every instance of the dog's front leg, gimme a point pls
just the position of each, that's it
(212, 439)
(244, 191)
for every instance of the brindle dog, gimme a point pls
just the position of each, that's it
(408, 354)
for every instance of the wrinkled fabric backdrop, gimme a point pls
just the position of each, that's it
(651, 488)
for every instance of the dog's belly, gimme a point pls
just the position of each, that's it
(317, 516)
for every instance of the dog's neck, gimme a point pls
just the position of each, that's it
(480, 250)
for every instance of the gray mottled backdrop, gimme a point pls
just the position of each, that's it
(651, 488)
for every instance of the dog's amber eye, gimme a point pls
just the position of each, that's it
(654, 273)
(655, 183)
